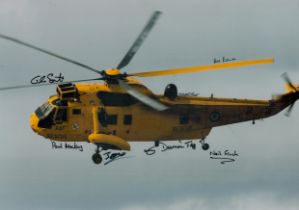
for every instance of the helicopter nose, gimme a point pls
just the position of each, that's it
(34, 122)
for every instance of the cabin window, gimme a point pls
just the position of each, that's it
(103, 117)
(116, 99)
(76, 111)
(184, 119)
(127, 119)
(61, 115)
(112, 119)
(106, 119)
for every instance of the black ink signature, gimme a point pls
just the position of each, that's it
(73, 146)
(50, 78)
(56, 145)
(224, 160)
(163, 147)
(223, 60)
(225, 156)
(189, 94)
(110, 156)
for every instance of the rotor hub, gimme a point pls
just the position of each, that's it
(112, 72)
(111, 76)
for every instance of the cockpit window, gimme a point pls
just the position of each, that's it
(49, 115)
(45, 115)
(44, 110)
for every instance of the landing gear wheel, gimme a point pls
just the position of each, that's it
(97, 158)
(205, 146)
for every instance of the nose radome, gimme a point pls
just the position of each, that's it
(33, 122)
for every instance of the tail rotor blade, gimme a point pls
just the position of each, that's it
(286, 77)
(289, 111)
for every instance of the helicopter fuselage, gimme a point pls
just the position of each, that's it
(106, 109)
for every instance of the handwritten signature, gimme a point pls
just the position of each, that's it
(163, 147)
(113, 156)
(225, 156)
(73, 146)
(49, 78)
(223, 60)
(189, 94)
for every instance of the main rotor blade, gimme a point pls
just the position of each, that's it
(48, 52)
(46, 84)
(211, 67)
(142, 97)
(132, 51)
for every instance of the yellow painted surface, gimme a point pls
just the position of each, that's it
(211, 67)
(203, 114)
(112, 72)
(113, 140)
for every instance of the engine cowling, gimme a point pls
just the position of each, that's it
(171, 91)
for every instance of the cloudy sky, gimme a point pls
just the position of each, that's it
(192, 32)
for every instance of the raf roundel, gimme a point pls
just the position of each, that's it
(215, 116)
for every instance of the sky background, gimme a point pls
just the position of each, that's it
(192, 32)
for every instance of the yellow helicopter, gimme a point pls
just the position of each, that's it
(122, 109)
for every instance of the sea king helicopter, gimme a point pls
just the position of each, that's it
(122, 109)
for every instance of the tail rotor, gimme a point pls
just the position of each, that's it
(294, 93)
